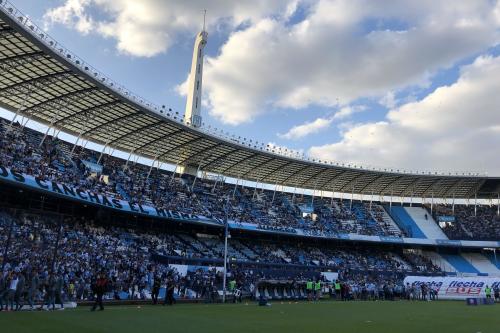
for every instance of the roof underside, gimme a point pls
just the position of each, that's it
(43, 83)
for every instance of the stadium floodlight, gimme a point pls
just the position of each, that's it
(225, 251)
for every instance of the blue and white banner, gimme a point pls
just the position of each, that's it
(93, 198)
(458, 288)
(90, 197)
(446, 218)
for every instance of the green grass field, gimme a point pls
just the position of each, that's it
(326, 316)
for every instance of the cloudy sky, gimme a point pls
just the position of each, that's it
(405, 84)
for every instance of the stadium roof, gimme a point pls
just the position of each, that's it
(43, 81)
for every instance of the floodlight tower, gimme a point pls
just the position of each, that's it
(192, 115)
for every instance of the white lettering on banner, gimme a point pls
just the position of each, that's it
(459, 288)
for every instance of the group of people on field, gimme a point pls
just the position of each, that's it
(20, 288)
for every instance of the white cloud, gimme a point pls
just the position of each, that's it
(148, 27)
(348, 111)
(303, 130)
(455, 128)
(388, 100)
(73, 13)
(336, 55)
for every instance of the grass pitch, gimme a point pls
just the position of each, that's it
(325, 316)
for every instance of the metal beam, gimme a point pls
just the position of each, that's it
(315, 175)
(335, 176)
(138, 150)
(252, 155)
(6, 91)
(255, 167)
(297, 173)
(90, 110)
(136, 131)
(114, 121)
(63, 97)
(10, 63)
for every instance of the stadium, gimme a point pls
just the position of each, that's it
(167, 223)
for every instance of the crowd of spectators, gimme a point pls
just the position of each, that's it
(48, 158)
(63, 254)
(468, 222)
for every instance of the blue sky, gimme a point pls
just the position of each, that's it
(400, 84)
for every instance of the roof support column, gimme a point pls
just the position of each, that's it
(475, 204)
(26, 96)
(74, 145)
(274, 193)
(51, 124)
(453, 204)
(129, 156)
(151, 168)
(215, 183)
(371, 200)
(175, 170)
(255, 189)
(103, 149)
(498, 204)
(102, 152)
(196, 177)
(23, 125)
(333, 193)
(352, 197)
(390, 201)
(85, 145)
(432, 202)
(235, 186)
(293, 196)
(78, 139)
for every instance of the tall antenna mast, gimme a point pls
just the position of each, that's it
(204, 16)
(192, 116)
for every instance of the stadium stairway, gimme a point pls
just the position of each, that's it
(495, 262)
(481, 263)
(440, 262)
(460, 263)
(404, 221)
(390, 226)
(428, 226)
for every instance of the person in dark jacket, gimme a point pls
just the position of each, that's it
(169, 297)
(4, 288)
(33, 285)
(50, 299)
(99, 288)
(58, 287)
(19, 295)
(156, 289)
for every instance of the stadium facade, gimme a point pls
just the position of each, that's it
(42, 81)
(47, 83)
